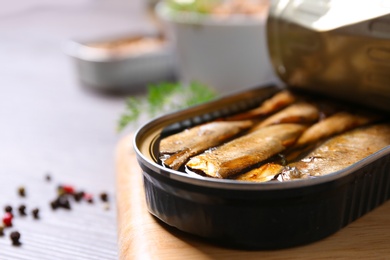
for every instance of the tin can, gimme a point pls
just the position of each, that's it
(337, 48)
(340, 62)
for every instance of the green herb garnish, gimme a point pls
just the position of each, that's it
(199, 6)
(162, 98)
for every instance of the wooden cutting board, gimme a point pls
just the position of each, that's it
(142, 236)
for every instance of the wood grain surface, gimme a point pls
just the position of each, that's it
(142, 236)
(50, 123)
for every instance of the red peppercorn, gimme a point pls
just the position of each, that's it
(7, 219)
(68, 189)
(88, 197)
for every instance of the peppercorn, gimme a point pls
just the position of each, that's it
(88, 197)
(35, 213)
(78, 195)
(15, 237)
(63, 202)
(60, 190)
(1, 230)
(8, 209)
(22, 210)
(48, 177)
(104, 196)
(7, 219)
(54, 204)
(68, 189)
(60, 202)
(22, 191)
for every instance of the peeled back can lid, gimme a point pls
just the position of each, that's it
(339, 48)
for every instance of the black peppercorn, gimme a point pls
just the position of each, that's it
(22, 210)
(15, 237)
(48, 177)
(35, 213)
(63, 202)
(78, 196)
(60, 202)
(8, 209)
(54, 204)
(104, 196)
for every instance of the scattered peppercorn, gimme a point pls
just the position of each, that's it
(63, 202)
(22, 210)
(68, 189)
(48, 177)
(15, 237)
(78, 195)
(8, 209)
(104, 196)
(7, 219)
(22, 191)
(60, 202)
(60, 190)
(54, 204)
(1, 230)
(88, 197)
(35, 213)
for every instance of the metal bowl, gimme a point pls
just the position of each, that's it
(121, 70)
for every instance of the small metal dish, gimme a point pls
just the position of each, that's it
(109, 65)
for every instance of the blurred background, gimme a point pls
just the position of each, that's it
(62, 92)
(52, 124)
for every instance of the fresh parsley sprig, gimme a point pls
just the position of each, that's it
(162, 98)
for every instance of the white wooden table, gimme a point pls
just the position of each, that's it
(50, 123)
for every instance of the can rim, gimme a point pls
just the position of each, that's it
(151, 130)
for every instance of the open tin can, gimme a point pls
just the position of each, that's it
(266, 215)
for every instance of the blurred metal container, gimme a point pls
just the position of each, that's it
(112, 69)
(228, 53)
(339, 48)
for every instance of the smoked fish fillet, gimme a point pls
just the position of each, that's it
(178, 148)
(334, 124)
(340, 152)
(264, 173)
(245, 151)
(298, 113)
(269, 106)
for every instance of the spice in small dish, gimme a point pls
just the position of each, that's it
(134, 45)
